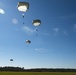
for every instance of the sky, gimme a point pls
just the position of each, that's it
(52, 46)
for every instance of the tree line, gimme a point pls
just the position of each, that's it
(21, 69)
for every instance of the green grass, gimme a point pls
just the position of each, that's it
(37, 73)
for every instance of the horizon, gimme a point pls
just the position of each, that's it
(34, 68)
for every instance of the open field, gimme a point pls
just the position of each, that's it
(37, 73)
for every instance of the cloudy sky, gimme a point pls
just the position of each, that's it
(52, 46)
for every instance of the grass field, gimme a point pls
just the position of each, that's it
(37, 73)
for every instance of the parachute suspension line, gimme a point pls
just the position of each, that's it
(23, 18)
(36, 31)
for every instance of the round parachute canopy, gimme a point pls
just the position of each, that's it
(36, 22)
(23, 6)
(28, 41)
(11, 59)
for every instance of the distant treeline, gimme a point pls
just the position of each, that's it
(19, 69)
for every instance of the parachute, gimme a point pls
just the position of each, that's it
(23, 7)
(28, 41)
(36, 23)
(11, 59)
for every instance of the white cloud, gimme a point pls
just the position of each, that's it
(74, 26)
(40, 49)
(56, 30)
(65, 33)
(2, 11)
(16, 29)
(14, 21)
(27, 30)
(72, 15)
(44, 33)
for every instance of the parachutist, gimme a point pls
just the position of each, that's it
(23, 23)
(36, 29)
